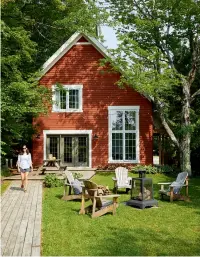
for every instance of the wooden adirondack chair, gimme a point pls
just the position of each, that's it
(72, 184)
(99, 204)
(175, 187)
(121, 179)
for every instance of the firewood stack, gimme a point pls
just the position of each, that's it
(103, 190)
(146, 195)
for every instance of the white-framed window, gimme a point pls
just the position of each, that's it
(123, 134)
(69, 99)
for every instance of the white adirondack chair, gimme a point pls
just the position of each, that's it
(175, 187)
(121, 179)
(72, 184)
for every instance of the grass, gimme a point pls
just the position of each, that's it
(173, 229)
(4, 184)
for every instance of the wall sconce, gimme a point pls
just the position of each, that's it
(95, 136)
(38, 136)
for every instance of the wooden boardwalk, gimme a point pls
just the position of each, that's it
(21, 215)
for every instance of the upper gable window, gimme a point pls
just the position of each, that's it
(69, 99)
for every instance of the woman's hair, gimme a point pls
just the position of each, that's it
(22, 152)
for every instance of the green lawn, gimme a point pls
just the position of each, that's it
(4, 186)
(172, 229)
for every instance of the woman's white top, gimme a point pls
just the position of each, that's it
(24, 161)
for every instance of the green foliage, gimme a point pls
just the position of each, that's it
(77, 175)
(5, 172)
(156, 169)
(51, 180)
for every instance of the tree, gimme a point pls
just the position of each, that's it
(32, 30)
(159, 55)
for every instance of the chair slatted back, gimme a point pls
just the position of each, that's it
(69, 176)
(181, 177)
(91, 185)
(121, 174)
(180, 181)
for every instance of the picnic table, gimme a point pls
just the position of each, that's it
(50, 165)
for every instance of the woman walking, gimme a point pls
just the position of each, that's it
(24, 164)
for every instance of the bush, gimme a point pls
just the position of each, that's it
(51, 180)
(5, 172)
(112, 167)
(148, 168)
(77, 175)
(155, 169)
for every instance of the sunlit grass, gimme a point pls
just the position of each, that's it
(172, 229)
(4, 186)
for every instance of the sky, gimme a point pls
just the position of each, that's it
(109, 37)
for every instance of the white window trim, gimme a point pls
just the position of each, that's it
(83, 43)
(122, 108)
(68, 132)
(67, 87)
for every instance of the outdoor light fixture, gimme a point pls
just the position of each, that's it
(95, 136)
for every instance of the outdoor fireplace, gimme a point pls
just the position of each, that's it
(142, 192)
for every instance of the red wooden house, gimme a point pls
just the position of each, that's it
(92, 121)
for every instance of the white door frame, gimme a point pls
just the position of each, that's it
(68, 132)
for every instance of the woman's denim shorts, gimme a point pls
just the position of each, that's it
(24, 170)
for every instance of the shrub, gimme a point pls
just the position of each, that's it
(5, 172)
(112, 167)
(77, 175)
(51, 180)
(155, 169)
(148, 168)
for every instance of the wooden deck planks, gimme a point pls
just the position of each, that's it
(22, 213)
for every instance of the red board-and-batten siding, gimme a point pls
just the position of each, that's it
(80, 66)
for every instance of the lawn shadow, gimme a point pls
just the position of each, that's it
(59, 196)
(131, 242)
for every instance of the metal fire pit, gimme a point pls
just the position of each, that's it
(142, 192)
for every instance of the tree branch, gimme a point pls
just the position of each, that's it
(165, 124)
(194, 95)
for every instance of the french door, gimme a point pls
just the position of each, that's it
(73, 150)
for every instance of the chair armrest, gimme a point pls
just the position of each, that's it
(68, 184)
(130, 180)
(164, 183)
(115, 179)
(107, 196)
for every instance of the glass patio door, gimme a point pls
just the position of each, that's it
(73, 150)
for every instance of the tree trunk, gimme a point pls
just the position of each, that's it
(186, 137)
(185, 154)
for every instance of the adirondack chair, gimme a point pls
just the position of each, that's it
(100, 205)
(121, 179)
(175, 187)
(72, 184)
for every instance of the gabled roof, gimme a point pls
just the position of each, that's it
(68, 44)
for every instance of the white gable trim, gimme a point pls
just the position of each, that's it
(68, 44)
(83, 43)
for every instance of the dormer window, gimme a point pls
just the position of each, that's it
(67, 99)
